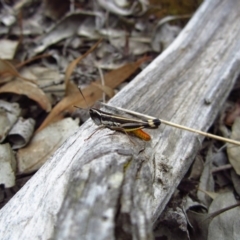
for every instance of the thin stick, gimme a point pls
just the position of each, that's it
(228, 140)
(222, 168)
(102, 82)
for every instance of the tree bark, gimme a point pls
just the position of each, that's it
(109, 187)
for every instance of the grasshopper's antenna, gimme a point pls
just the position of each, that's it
(83, 96)
(79, 89)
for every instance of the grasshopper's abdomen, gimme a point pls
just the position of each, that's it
(141, 134)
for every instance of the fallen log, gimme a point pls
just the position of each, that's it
(109, 187)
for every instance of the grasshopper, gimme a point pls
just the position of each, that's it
(123, 124)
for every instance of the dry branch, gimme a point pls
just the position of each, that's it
(113, 188)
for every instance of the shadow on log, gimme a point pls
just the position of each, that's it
(110, 188)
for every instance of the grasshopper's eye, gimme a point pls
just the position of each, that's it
(95, 116)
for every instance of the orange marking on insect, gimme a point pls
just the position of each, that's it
(141, 134)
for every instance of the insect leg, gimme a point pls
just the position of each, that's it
(96, 130)
(115, 128)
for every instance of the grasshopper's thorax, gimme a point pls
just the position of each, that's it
(101, 118)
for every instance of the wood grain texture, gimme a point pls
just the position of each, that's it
(110, 188)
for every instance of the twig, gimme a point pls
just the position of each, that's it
(222, 168)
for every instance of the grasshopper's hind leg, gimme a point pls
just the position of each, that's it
(124, 131)
(112, 128)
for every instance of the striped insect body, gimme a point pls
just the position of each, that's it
(123, 124)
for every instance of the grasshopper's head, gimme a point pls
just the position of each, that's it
(95, 116)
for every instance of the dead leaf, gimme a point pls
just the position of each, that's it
(65, 28)
(43, 75)
(9, 113)
(109, 91)
(220, 159)
(88, 28)
(233, 114)
(7, 69)
(222, 221)
(123, 8)
(55, 9)
(206, 181)
(21, 132)
(173, 224)
(44, 144)
(234, 151)
(91, 93)
(164, 36)
(30, 90)
(135, 46)
(8, 48)
(7, 166)
(67, 104)
(236, 181)
(226, 225)
(197, 168)
(212, 195)
(74, 63)
(199, 222)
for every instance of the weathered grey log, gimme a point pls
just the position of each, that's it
(112, 187)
